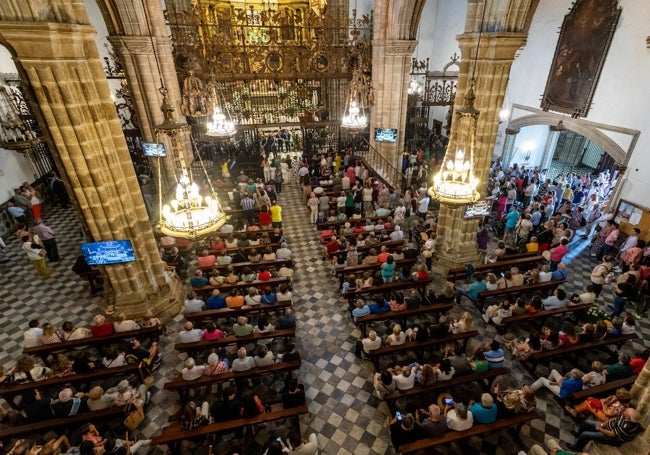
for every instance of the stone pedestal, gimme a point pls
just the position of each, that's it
(63, 73)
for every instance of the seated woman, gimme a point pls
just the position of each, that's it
(99, 328)
(191, 370)
(420, 272)
(405, 274)
(568, 335)
(535, 305)
(519, 307)
(531, 276)
(50, 334)
(384, 384)
(445, 370)
(496, 313)
(522, 349)
(397, 303)
(212, 332)
(231, 277)
(491, 282)
(264, 326)
(269, 255)
(26, 370)
(254, 256)
(217, 243)
(263, 356)
(505, 281)
(253, 297)
(194, 417)
(397, 337)
(113, 358)
(234, 300)
(596, 376)
(215, 366)
(602, 408)
(284, 293)
(464, 324)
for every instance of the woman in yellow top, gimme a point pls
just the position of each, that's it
(276, 215)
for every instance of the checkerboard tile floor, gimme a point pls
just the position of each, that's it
(344, 413)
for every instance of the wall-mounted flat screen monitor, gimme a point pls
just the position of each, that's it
(385, 135)
(109, 252)
(153, 149)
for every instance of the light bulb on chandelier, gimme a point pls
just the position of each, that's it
(220, 126)
(354, 120)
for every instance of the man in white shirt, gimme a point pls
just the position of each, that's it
(397, 234)
(192, 304)
(423, 206)
(32, 337)
(404, 378)
(189, 334)
(283, 252)
(124, 325)
(371, 343)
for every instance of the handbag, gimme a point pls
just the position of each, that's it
(146, 380)
(546, 255)
(134, 416)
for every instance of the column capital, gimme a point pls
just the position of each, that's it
(138, 45)
(396, 47)
(48, 40)
(494, 46)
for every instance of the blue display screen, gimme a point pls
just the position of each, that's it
(385, 135)
(109, 252)
(153, 149)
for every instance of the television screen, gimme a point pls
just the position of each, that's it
(109, 252)
(385, 135)
(153, 149)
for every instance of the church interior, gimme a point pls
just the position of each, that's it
(117, 103)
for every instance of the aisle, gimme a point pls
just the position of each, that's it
(343, 411)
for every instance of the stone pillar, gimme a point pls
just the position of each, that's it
(456, 242)
(61, 67)
(391, 63)
(509, 146)
(549, 148)
(146, 71)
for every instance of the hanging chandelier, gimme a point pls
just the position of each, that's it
(354, 118)
(455, 183)
(221, 125)
(188, 214)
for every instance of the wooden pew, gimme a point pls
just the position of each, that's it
(70, 421)
(173, 434)
(522, 263)
(542, 315)
(419, 285)
(223, 313)
(234, 340)
(444, 385)
(336, 224)
(345, 271)
(43, 351)
(183, 387)
(226, 288)
(608, 388)
(526, 254)
(240, 265)
(514, 291)
(536, 357)
(391, 245)
(376, 354)
(513, 422)
(8, 392)
(259, 248)
(401, 316)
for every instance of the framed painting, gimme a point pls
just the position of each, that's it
(582, 46)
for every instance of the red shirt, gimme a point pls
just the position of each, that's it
(265, 218)
(382, 257)
(332, 247)
(264, 276)
(206, 261)
(102, 330)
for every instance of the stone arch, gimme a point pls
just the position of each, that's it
(590, 130)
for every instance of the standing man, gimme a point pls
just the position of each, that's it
(47, 235)
(276, 215)
(58, 189)
(248, 206)
(35, 253)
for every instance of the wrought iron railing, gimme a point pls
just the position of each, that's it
(383, 168)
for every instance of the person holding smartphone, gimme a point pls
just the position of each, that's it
(430, 421)
(457, 416)
(402, 429)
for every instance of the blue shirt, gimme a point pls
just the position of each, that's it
(559, 274)
(358, 312)
(483, 415)
(215, 302)
(199, 282)
(268, 298)
(475, 289)
(376, 308)
(511, 219)
(388, 270)
(570, 386)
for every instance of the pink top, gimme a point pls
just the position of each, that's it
(212, 335)
(558, 253)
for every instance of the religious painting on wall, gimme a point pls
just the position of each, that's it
(582, 46)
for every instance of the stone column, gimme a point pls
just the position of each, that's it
(549, 147)
(61, 67)
(391, 62)
(456, 243)
(141, 33)
(509, 146)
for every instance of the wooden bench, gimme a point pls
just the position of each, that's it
(601, 390)
(183, 387)
(390, 245)
(523, 264)
(376, 354)
(401, 316)
(224, 313)
(383, 288)
(70, 421)
(513, 423)
(241, 265)
(525, 289)
(173, 434)
(335, 224)
(541, 315)
(202, 345)
(8, 392)
(533, 360)
(444, 385)
(44, 350)
(345, 271)
(226, 287)
(259, 248)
